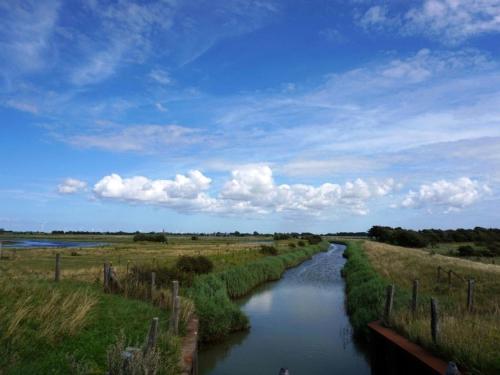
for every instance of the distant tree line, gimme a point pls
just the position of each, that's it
(486, 237)
(350, 234)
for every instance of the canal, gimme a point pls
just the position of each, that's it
(299, 322)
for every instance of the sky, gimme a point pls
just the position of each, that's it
(223, 115)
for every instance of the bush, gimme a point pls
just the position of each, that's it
(291, 245)
(152, 237)
(301, 243)
(194, 238)
(268, 250)
(313, 239)
(197, 265)
(466, 251)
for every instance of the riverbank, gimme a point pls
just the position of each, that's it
(213, 293)
(468, 338)
(299, 322)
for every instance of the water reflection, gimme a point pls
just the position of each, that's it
(298, 322)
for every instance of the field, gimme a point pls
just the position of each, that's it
(469, 338)
(68, 327)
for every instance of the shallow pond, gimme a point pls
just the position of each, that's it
(27, 243)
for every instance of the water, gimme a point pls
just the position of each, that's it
(25, 244)
(299, 322)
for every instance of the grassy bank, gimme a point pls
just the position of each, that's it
(68, 328)
(212, 293)
(470, 339)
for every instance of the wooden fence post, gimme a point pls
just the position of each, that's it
(175, 296)
(152, 336)
(470, 295)
(176, 317)
(106, 277)
(128, 265)
(389, 298)
(414, 299)
(1, 251)
(449, 278)
(57, 275)
(434, 321)
(153, 284)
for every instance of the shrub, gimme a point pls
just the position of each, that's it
(301, 243)
(194, 238)
(197, 265)
(291, 245)
(152, 237)
(268, 250)
(313, 239)
(466, 251)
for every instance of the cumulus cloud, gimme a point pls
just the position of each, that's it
(250, 190)
(71, 186)
(185, 192)
(448, 195)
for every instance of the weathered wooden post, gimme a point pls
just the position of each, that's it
(389, 298)
(177, 313)
(175, 296)
(128, 265)
(449, 278)
(1, 251)
(152, 336)
(106, 277)
(414, 298)
(470, 295)
(57, 275)
(153, 284)
(434, 321)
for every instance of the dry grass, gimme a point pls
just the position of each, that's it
(53, 313)
(471, 339)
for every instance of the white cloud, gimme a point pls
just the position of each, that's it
(251, 190)
(448, 195)
(22, 106)
(71, 186)
(146, 138)
(185, 192)
(454, 20)
(160, 76)
(160, 107)
(450, 21)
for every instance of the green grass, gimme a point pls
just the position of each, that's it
(212, 293)
(470, 339)
(68, 327)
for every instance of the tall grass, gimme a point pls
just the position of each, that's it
(212, 293)
(470, 339)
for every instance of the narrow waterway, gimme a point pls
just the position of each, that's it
(298, 322)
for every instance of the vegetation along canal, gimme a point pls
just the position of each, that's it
(298, 322)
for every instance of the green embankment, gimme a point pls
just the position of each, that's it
(212, 293)
(68, 327)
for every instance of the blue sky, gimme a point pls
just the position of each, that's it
(249, 115)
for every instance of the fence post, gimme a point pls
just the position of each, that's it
(128, 264)
(389, 298)
(106, 277)
(439, 274)
(152, 336)
(57, 275)
(153, 284)
(449, 278)
(175, 295)
(1, 251)
(470, 295)
(414, 299)
(434, 321)
(176, 316)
